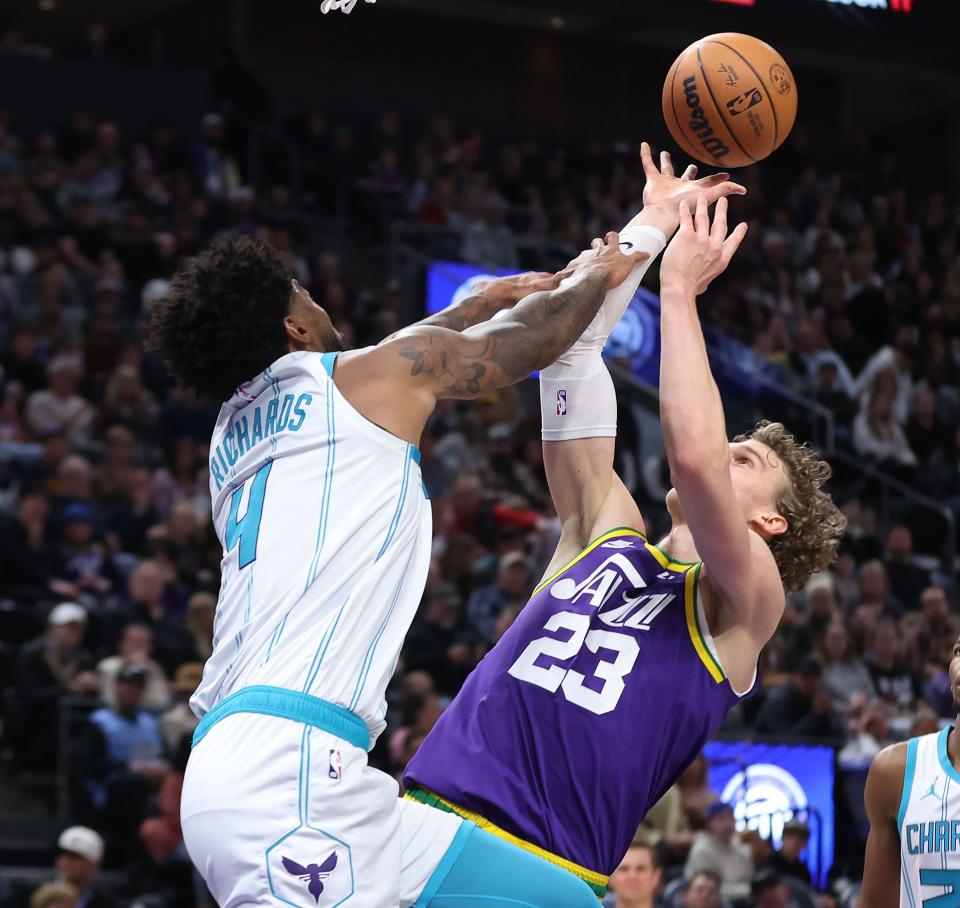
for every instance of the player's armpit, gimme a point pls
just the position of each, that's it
(881, 876)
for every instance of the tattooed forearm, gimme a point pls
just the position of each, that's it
(470, 311)
(539, 328)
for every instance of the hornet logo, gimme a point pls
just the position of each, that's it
(313, 874)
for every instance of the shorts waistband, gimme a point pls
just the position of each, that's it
(596, 881)
(292, 705)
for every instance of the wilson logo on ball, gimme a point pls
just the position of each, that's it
(745, 101)
(698, 120)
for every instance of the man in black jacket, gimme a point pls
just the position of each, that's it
(799, 706)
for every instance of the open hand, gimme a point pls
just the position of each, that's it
(664, 189)
(699, 252)
(606, 254)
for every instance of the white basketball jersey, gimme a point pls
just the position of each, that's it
(929, 826)
(326, 533)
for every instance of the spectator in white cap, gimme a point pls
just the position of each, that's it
(79, 856)
(51, 667)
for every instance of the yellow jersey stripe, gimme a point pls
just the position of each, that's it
(693, 627)
(619, 531)
(596, 880)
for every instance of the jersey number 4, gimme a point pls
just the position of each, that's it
(624, 647)
(246, 529)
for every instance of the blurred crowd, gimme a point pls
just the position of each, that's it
(848, 283)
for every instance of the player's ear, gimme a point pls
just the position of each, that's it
(769, 524)
(298, 335)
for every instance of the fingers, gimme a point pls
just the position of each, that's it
(666, 165)
(646, 159)
(713, 179)
(702, 217)
(718, 231)
(686, 221)
(612, 239)
(732, 243)
(690, 173)
(596, 243)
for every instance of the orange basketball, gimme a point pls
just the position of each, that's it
(729, 100)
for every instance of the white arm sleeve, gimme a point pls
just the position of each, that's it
(577, 398)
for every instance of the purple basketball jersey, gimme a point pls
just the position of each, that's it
(588, 709)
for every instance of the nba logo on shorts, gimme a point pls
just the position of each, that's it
(561, 402)
(336, 765)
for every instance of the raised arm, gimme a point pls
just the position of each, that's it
(589, 497)
(881, 872)
(737, 559)
(484, 301)
(398, 383)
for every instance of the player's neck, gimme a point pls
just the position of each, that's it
(953, 745)
(679, 543)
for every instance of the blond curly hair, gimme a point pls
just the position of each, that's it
(814, 522)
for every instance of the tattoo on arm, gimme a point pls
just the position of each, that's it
(493, 355)
(470, 311)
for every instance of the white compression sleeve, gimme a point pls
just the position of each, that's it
(577, 398)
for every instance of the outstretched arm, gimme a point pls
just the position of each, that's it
(881, 872)
(589, 497)
(485, 301)
(738, 561)
(397, 384)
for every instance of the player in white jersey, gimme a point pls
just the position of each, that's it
(326, 528)
(913, 802)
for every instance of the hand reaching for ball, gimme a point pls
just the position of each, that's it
(699, 252)
(666, 190)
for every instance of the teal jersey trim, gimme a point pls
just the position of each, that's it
(945, 763)
(908, 773)
(328, 359)
(292, 705)
(446, 864)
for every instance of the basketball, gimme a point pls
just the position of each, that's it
(729, 100)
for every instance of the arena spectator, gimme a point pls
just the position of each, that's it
(441, 640)
(80, 853)
(800, 705)
(877, 435)
(179, 721)
(703, 890)
(60, 407)
(787, 861)
(895, 684)
(512, 588)
(718, 850)
(119, 760)
(906, 578)
(696, 795)
(768, 890)
(147, 604)
(636, 881)
(49, 669)
(846, 678)
(136, 646)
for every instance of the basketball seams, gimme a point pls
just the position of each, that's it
(766, 88)
(723, 119)
(672, 76)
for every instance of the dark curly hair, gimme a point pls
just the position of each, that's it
(814, 523)
(221, 322)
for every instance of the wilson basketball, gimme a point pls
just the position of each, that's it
(729, 100)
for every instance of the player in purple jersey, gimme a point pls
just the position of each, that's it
(629, 655)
